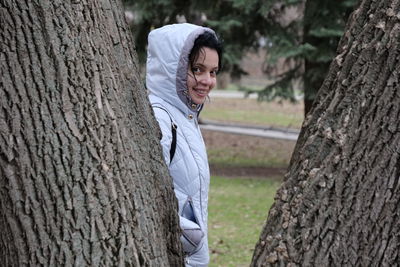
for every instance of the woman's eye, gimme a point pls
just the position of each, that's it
(196, 70)
(214, 72)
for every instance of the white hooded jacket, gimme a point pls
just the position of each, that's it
(166, 77)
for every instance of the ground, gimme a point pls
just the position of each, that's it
(250, 111)
(257, 156)
(247, 156)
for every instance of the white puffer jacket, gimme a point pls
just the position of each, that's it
(167, 66)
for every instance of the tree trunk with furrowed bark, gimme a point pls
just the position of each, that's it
(82, 179)
(339, 204)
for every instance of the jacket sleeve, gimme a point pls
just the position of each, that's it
(164, 122)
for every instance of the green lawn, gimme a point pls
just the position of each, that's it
(226, 150)
(250, 111)
(241, 116)
(238, 208)
(242, 158)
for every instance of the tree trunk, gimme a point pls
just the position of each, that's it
(82, 180)
(339, 203)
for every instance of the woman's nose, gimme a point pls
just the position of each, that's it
(206, 79)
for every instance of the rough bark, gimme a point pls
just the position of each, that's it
(82, 180)
(339, 204)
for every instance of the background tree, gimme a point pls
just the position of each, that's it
(339, 203)
(307, 45)
(82, 179)
(303, 33)
(239, 23)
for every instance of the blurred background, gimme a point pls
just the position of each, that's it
(276, 56)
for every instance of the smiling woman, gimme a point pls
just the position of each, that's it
(182, 64)
(202, 75)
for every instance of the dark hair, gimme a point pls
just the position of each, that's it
(206, 39)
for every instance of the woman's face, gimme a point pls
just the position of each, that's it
(202, 75)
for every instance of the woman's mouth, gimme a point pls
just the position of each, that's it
(201, 92)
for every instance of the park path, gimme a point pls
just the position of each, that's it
(259, 131)
(231, 94)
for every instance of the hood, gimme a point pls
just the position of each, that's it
(167, 63)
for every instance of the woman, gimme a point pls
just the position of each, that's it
(182, 63)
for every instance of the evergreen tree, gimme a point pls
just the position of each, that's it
(239, 23)
(308, 45)
(306, 42)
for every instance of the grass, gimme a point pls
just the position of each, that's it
(228, 158)
(241, 158)
(238, 209)
(250, 111)
(255, 117)
(247, 151)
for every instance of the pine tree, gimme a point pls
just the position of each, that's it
(306, 43)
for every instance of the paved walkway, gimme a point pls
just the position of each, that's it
(231, 94)
(238, 94)
(259, 131)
